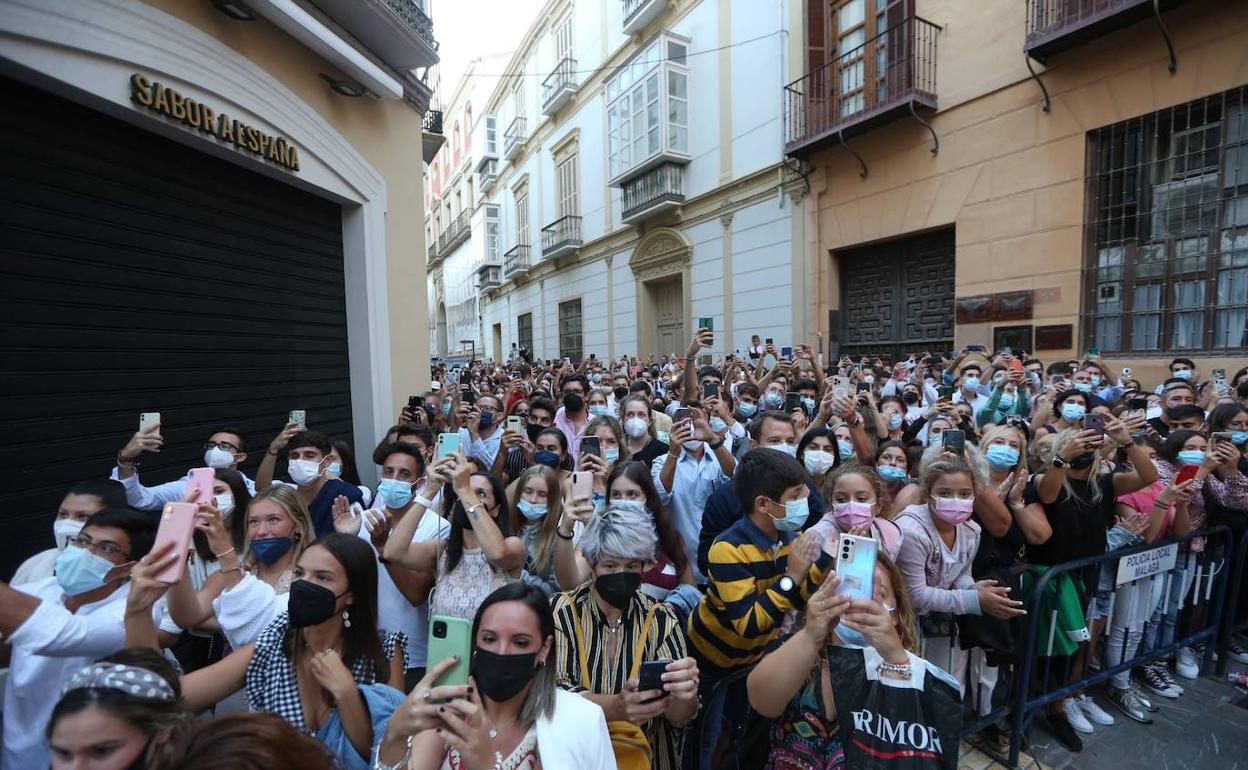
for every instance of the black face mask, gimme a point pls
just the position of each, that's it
(310, 604)
(910, 398)
(502, 677)
(617, 588)
(533, 430)
(621, 393)
(1083, 461)
(573, 402)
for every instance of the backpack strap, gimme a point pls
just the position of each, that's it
(583, 655)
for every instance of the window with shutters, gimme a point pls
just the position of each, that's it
(522, 219)
(567, 187)
(524, 331)
(570, 330)
(1167, 256)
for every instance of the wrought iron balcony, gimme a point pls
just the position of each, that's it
(639, 13)
(398, 31)
(489, 276)
(514, 136)
(1056, 25)
(432, 122)
(563, 236)
(659, 189)
(432, 138)
(455, 233)
(516, 261)
(892, 74)
(558, 87)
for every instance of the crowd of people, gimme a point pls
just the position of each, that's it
(647, 559)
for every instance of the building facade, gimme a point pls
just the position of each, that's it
(212, 210)
(634, 175)
(1101, 203)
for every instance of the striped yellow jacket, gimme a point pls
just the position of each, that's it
(742, 609)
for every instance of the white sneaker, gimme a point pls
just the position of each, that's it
(1075, 716)
(1093, 711)
(1185, 664)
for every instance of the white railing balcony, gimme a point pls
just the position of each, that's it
(639, 13)
(660, 189)
(559, 86)
(561, 237)
(513, 138)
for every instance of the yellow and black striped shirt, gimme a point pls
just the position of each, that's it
(666, 640)
(742, 609)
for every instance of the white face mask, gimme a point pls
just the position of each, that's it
(691, 446)
(64, 529)
(303, 472)
(225, 503)
(218, 459)
(635, 427)
(817, 463)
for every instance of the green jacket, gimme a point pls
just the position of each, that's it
(1061, 623)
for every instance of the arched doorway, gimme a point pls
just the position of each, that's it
(660, 264)
(442, 346)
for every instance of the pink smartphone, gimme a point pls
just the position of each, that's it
(200, 483)
(177, 524)
(582, 485)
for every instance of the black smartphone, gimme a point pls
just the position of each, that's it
(710, 390)
(1094, 421)
(414, 403)
(467, 396)
(769, 341)
(591, 445)
(976, 349)
(683, 413)
(954, 440)
(650, 676)
(864, 387)
(792, 402)
(1137, 404)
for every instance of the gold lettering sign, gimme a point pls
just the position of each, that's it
(200, 117)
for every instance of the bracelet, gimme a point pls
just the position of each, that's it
(407, 755)
(235, 568)
(224, 553)
(561, 535)
(424, 501)
(270, 453)
(715, 445)
(901, 670)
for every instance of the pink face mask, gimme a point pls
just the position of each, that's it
(851, 514)
(952, 510)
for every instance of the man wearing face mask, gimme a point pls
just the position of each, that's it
(573, 415)
(224, 449)
(969, 389)
(482, 430)
(82, 501)
(307, 459)
(757, 574)
(59, 624)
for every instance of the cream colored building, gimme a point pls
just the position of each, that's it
(213, 210)
(957, 199)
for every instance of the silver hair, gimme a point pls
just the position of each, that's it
(621, 532)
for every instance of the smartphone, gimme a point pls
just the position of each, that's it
(414, 403)
(841, 386)
(650, 675)
(945, 392)
(1007, 350)
(450, 637)
(515, 424)
(1059, 378)
(1187, 473)
(953, 439)
(448, 444)
(177, 525)
(200, 483)
(976, 349)
(786, 351)
(682, 414)
(1137, 404)
(1016, 365)
(1094, 421)
(582, 485)
(148, 419)
(467, 396)
(1126, 372)
(792, 402)
(1219, 374)
(1219, 437)
(855, 566)
(298, 417)
(864, 387)
(769, 341)
(1094, 351)
(591, 445)
(710, 390)
(706, 322)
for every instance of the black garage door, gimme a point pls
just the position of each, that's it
(139, 275)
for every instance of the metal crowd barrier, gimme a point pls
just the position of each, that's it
(1233, 624)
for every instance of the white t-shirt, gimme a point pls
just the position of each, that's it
(394, 611)
(36, 568)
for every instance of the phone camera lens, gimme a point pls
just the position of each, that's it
(439, 629)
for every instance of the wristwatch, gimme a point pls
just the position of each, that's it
(786, 585)
(1058, 462)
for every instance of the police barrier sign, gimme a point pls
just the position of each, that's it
(1147, 563)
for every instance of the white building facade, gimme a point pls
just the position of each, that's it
(638, 184)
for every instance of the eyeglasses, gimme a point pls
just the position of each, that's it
(104, 549)
(227, 446)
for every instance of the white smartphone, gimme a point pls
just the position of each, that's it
(855, 566)
(148, 419)
(299, 417)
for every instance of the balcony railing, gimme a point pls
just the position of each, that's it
(516, 261)
(514, 136)
(561, 236)
(659, 189)
(455, 233)
(558, 87)
(1056, 25)
(486, 174)
(489, 276)
(432, 122)
(639, 13)
(883, 78)
(432, 138)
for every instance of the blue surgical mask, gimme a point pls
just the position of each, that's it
(747, 410)
(1006, 402)
(1072, 412)
(809, 404)
(532, 511)
(1184, 374)
(611, 454)
(891, 473)
(630, 505)
(850, 637)
(894, 422)
(1095, 379)
(717, 425)
(1083, 387)
(446, 408)
(1239, 436)
(546, 457)
(1001, 457)
(1191, 457)
(487, 420)
(845, 449)
(795, 514)
(394, 493)
(79, 571)
(334, 468)
(970, 383)
(773, 400)
(269, 549)
(597, 410)
(788, 449)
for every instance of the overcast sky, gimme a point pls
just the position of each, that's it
(466, 29)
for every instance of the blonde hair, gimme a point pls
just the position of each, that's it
(290, 502)
(999, 431)
(543, 555)
(1094, 469)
